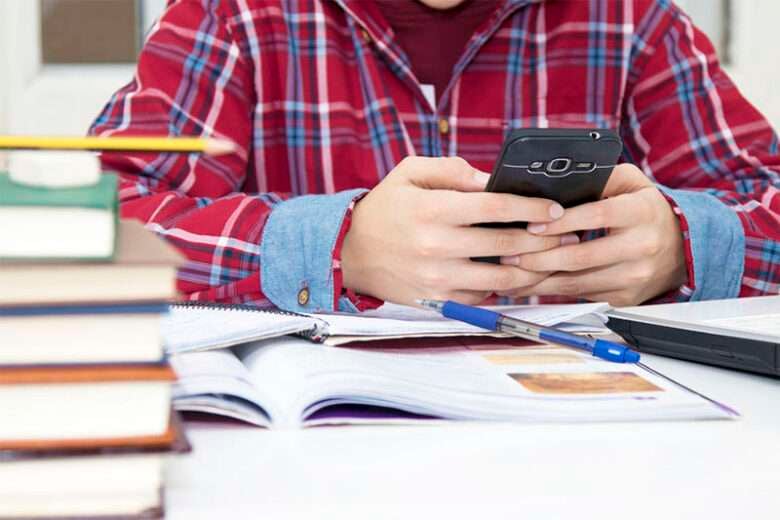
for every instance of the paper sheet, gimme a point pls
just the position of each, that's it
(399, 320)
(187, 329)
(192, 329)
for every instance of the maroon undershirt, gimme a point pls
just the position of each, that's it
(434, 39)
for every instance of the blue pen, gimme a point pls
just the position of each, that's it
(492, 320)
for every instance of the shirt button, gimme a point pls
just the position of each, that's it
(365, 35)
(444, 126)
(303, 296)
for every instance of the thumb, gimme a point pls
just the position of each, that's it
(625, 178)
(445, 173)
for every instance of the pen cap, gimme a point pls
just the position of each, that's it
(51, 169)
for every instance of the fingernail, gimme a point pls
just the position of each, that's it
(556, 211)
(536, 228)
(510, 260)
(567, 240)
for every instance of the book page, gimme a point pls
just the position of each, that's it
(217, 382)
(297, 381)
(489, 381)
(280, 368)
(525, 383)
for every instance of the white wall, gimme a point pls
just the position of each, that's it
(707, 14)
(52, 99)
(6, 71)
(151, 10)
(755, 53)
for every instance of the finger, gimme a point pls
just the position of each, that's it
(475, 276)
(468, 297)
(616, 212)
(504, 242)
(608, 250)
(443, 173)
(460, 296)
(579, 284)
(625, 178)
(480, 208)
(565, 240)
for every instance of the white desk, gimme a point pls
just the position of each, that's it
(696, 470)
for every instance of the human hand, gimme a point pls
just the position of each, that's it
(411, 236)
(641, 257)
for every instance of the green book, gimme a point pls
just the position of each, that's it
(58, 223)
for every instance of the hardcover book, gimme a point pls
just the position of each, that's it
(58, 223)
(144, 271)
(81, 334)
(90, 478)
(84, 402)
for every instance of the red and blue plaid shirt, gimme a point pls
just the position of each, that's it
(322, 102)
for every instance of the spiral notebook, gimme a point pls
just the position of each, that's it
(192, 327)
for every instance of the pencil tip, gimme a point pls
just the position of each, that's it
(220, 146)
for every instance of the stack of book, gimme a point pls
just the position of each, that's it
(85, 386)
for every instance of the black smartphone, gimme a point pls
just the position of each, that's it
(568, 165)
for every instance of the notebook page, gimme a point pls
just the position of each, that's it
(189, 329)
(400, 320)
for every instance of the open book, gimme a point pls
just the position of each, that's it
(195, 327)
(290, 382)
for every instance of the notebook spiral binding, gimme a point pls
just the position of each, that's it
(317, 333)
(232, 307)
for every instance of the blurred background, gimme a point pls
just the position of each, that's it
(62, 59)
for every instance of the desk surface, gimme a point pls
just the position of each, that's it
(707, 470)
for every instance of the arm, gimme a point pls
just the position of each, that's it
(410, 237)
(688, 127)
(701, 219)
(266, 248)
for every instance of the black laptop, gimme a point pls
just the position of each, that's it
(742, 334)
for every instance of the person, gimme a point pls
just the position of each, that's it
(364, 130)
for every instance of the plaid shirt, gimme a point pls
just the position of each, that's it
(323, 104)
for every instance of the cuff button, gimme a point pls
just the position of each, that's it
(303, 296)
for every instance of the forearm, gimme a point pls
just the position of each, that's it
(266, 249)
(714, 156)
(732, 242)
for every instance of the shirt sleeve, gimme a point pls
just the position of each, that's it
(268, 249)
(713, 155)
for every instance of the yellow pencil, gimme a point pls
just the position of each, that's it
(125, 144)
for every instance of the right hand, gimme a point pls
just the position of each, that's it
(411, 236)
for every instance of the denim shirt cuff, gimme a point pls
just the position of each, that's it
(716, 244)
(297, 250)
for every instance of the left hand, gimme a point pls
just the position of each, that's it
(641, 257)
